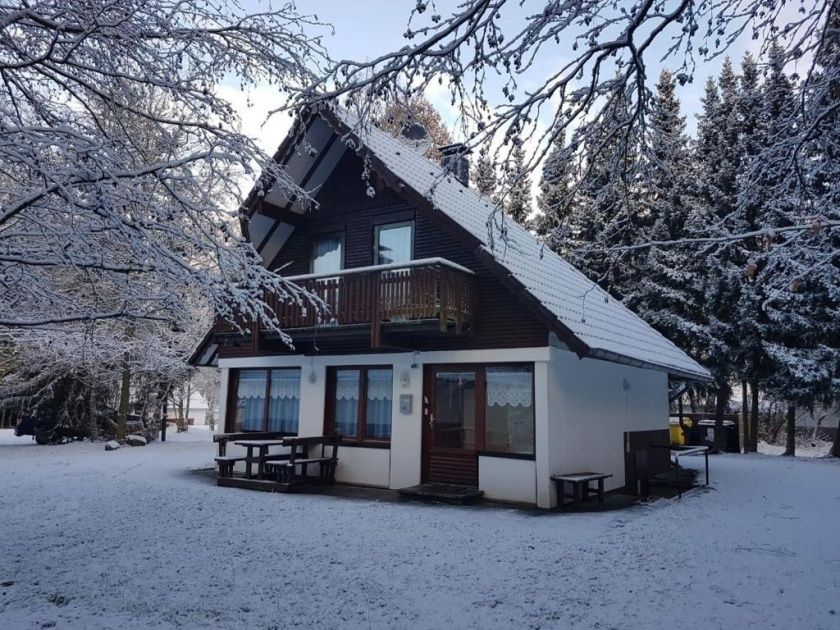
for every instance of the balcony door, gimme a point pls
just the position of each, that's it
(450, 426)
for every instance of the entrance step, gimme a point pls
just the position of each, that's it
(448, 493)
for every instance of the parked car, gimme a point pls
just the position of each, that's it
(46, 429)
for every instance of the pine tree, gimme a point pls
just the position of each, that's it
(718, 162)
(518, 205)
(484, 175)
(751, 360)
(803, 314)
(666, 294)
(553, 200)
(605, 212)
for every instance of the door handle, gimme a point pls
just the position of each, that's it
(431, 421)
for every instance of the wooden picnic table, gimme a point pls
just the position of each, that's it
(580, 487)
(263, 446)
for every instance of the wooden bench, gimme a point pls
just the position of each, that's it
(300, 456)
(226, 462)
(580, 487)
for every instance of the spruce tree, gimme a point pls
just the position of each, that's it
(802, 307)
(518, 205)
(752, 362)
(605, 214)
(666, 294)
(484, 175)
(718, 163)
(553, 199)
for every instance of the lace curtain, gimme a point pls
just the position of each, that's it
(378, 412)
(509, 386)
(283, 403)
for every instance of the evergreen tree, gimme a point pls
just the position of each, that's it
(518, 204)
(752, 362)
(484, 175)
(718, 163)
(666, 294)
(803, 314)
(605, 212)
(553, 199)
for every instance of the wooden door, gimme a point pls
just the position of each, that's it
(451, 424)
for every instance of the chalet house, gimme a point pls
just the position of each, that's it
(450, 354)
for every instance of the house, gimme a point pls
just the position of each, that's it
(450, 354)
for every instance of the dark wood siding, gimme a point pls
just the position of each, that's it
(501, 321)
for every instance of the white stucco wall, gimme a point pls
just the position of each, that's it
(506, 479)
(399, 466)
(592, 404)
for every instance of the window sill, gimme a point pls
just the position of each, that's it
(357, 444)
(525, 456)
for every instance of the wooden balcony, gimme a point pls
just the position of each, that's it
(397, 296)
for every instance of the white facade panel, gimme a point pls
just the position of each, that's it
(507, 479)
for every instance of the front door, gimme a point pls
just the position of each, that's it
(449, 425)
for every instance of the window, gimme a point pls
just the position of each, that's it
(394, 243)
(509, 410)
(359, 402)
(326, 255)
(267, 400)
(484, 408)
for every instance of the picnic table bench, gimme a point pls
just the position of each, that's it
(283, 466)
(580, 487)
(300, 456)
(257, 439)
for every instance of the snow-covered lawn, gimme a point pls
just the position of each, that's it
(136, 539)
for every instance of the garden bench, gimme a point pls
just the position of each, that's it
(285, 470)
(580, 487)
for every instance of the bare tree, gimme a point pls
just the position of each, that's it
(93, 224)
(606, 47)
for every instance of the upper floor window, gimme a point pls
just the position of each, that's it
(326, 254)
(394, 243)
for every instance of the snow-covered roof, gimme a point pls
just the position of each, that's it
(604, 325)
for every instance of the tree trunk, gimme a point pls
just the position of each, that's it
(122, 416)
(754, 417)
(93, 425)
(721, 404)
(790, 444)
(745, 419)
(187, 406)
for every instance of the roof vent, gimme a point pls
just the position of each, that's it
(455, 160)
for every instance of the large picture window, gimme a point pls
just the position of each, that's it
(483, 408)
(359, 402)
(267, 400)
(509, 410)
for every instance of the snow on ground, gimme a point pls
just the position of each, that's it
(804, 448)
(141, 538)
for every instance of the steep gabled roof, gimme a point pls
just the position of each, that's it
(600, 326)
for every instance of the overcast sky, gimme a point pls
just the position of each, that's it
(364, 29)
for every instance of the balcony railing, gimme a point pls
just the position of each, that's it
(419, 290)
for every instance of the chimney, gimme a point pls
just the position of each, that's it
(454, 160)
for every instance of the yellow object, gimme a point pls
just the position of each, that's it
(677, 435)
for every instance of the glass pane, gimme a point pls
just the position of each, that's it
(347, 402)
(394, 244)
(284, 401)
(454, 422)
(250, 400)
(378, 405)
(326, 254)
(509, 410)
